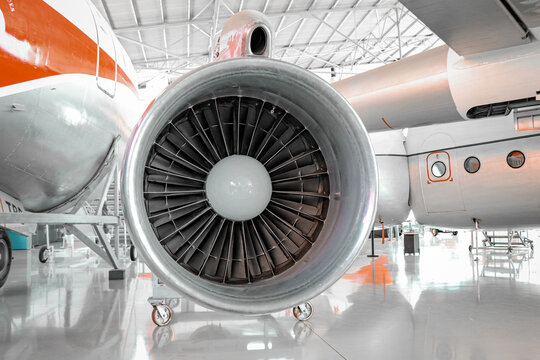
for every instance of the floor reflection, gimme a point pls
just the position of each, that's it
(375, 273)
(444, 304)
(231, 336)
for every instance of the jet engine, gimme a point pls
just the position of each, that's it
(249, 185)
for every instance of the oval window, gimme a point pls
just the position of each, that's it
(515, 159)
(438, 169)
(472, 164)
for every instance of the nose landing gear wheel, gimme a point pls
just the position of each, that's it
(43, 254)
(133, 253)
(5, 257)
(303, 312)
(162, 315)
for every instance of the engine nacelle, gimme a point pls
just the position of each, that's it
(288, 128)
(245, 33)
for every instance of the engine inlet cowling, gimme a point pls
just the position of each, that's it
(290, 156)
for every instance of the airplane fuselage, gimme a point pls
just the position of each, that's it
(66, 93)
(480, 174)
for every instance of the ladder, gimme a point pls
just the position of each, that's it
(92, 207)
(513, 238)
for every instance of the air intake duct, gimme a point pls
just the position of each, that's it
(250, 185)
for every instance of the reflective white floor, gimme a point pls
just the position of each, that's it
(439, 305)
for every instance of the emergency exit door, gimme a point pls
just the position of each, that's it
(440, 185)
(106, 59)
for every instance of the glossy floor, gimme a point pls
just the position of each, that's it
(438, 305)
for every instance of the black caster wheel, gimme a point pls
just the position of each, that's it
(303, 312)
(162, 315)
(43, 254)
(133, 253)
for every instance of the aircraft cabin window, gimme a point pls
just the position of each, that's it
(472, 164)
(438, 169)
(515, 159)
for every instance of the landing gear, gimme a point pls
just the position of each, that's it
(44, 254)
(5, 257)
(133, 253)
(436, 232)
(162, 315)
(303, 312)
(470, 248)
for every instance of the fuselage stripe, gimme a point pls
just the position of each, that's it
(39, 42)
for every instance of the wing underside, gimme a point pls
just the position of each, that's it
(471, 27)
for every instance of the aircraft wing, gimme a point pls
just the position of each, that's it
(474, 26)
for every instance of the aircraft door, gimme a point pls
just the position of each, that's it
(440, 186)
(107, 66)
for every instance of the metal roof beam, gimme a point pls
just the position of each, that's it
(215, 19)
(389, 57)
(303, 20)
(283, 16)
(319, 27)
(355, 29)
(300, 13)
(163, 31)
(107, 12)
(143, 45)
(371, 37)
(343, 21)
(134, 13)
(301, 47)
(347, 37)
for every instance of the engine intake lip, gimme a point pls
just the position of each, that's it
(352, 181)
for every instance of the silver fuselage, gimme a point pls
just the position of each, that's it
(67, 102)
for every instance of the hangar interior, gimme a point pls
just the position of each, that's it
(167, 39)
(413, 239)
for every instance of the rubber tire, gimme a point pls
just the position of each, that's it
(435, 232)
(155, 315)
(4, 238)
(133, 253)
(470, 248)
(454, 233)
(297, 312)
(42, 258)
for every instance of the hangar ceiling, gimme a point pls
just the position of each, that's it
(176, 35)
